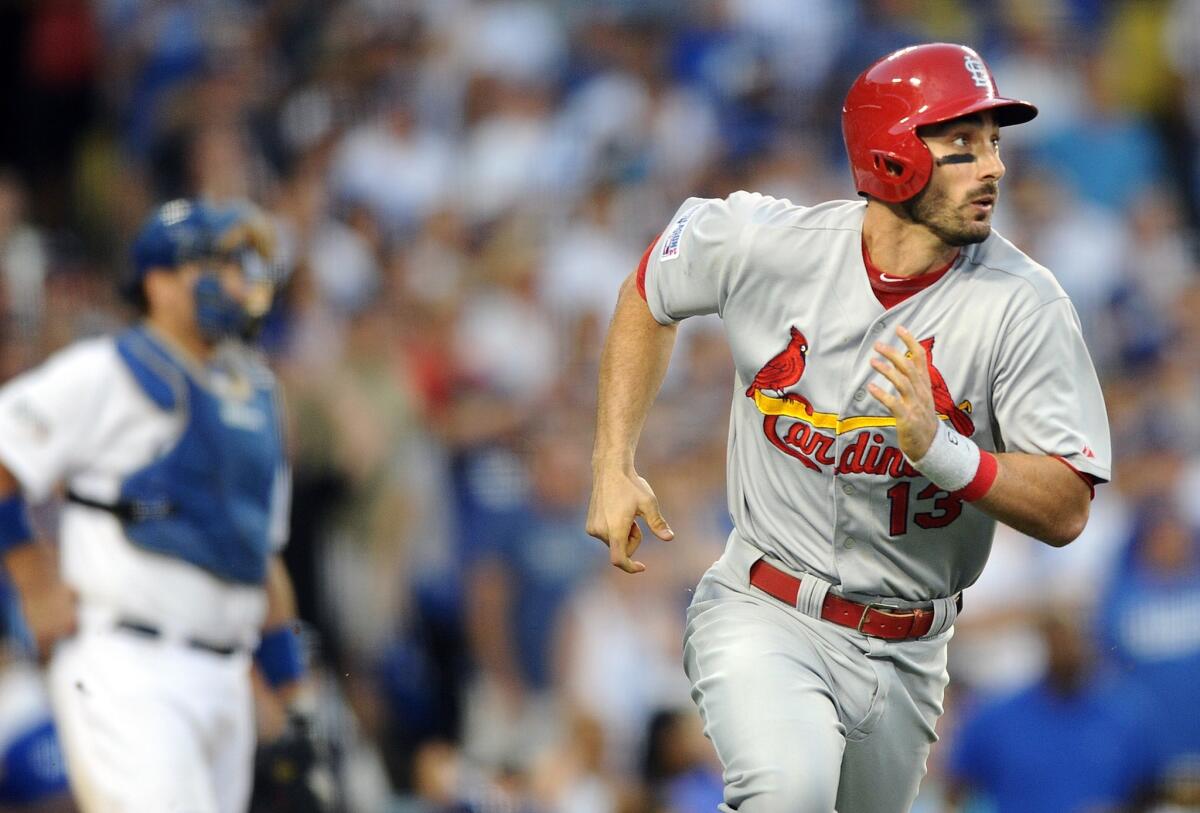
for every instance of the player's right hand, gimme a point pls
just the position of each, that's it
(48, 604)
(51, 616)
(619, 497)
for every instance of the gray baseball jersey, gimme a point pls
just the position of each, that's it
(816, 476)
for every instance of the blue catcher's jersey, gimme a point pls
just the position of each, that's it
(184, 457)
(208, 499)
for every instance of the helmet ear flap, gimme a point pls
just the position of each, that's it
(902, 172)
(888, 165)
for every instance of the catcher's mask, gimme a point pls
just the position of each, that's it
(226, 239)
(243, 244)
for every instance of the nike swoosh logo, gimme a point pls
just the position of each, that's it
(886, 278)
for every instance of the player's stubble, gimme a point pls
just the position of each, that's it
(951, 223)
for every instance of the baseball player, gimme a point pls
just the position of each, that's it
(167, 441)
(905, 378)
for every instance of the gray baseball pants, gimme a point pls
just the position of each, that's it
(808, 716)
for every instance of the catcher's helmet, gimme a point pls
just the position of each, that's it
(176, 232)
(921, 84)
(184, 231)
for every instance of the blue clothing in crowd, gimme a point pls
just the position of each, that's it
(1151, 624)
(1038, 751)
(1128, 150)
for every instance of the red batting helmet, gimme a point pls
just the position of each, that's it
(921, 84)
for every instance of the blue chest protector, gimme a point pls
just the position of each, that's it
(208, 499)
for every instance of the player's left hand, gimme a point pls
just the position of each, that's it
(912, 402)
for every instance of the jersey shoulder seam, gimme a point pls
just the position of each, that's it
(744, 242)
(798, 227)
(1023, 278)
(1041, 305)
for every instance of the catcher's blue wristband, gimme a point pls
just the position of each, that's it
(280, 656)
(15, 530)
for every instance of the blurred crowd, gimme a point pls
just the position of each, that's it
(459, 187)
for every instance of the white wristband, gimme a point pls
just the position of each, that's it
(951, 460)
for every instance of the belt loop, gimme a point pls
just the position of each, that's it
(811, 597)
(945, 612)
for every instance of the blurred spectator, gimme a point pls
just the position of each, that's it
(505, 344)
(1033, 68)
(1160, 262)
(23, 268)
(1150, 625)
(515, 40)
(586, 261)
(61, 57)
(371, 414)
(1075, 741)
(619, 653)
(516, 588)
(574, 777)
(1109, 154)
(681, 771)
(445, 782)
(508, 155)
(401, 170)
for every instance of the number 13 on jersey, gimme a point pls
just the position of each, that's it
(934, 507)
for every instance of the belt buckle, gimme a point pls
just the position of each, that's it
(870, 605)
(886, 609)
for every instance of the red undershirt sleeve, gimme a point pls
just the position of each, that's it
(641, 269)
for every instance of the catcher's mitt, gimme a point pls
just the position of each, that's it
(291, 775)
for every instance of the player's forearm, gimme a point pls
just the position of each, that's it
(1038, 496)
(31, 567)
(280, 655)
(281, 597)
(46, 602)
(632, 366)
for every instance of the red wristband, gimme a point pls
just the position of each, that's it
(981, 483)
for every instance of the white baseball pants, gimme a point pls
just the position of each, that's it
(148, 724)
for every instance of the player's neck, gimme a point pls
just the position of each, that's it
(187, 341)
(900, 247)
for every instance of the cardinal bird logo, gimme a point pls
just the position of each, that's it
(783, 371)
(792, 426)
(943, 401)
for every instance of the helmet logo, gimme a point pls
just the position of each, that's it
(978, 71)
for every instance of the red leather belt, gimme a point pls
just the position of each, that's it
(870, 619)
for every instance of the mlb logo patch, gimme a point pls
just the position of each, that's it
(670, 246)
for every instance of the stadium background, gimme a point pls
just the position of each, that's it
(460, 186)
